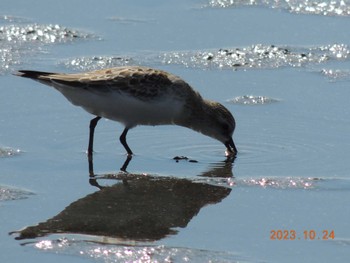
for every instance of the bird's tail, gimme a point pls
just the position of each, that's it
(32, 74)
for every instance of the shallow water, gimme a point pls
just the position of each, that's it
(285, 77)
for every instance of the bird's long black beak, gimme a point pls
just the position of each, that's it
(231, 147)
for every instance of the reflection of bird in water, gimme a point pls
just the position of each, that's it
(221, 169)
(140, 208)
(136, 95)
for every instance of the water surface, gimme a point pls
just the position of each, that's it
(284, 75)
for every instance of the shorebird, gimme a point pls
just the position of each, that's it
(135, 95)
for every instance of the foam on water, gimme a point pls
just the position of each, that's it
(97, 62)
(314, 7)
(39, 33)
(20, 41)
(257, 56)
(251, 57)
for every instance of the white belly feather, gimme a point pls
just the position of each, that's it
(124, 108)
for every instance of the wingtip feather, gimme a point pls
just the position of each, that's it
(32, 74)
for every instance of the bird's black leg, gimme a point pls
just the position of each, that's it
(126, 163)
(93, 124)
(123, 141)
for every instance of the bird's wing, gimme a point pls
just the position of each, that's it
(141, 82)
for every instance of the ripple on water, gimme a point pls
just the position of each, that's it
(279, 183)
(13, 19)
(252, 100)
(268, 182)
(296, 149)
(8, 152)
(125, 20)
(315, 7)
(100, 251)
(336, 74)
(9, 193)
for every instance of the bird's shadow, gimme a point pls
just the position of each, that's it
(137, 207)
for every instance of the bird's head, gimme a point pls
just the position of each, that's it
(220, 125)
